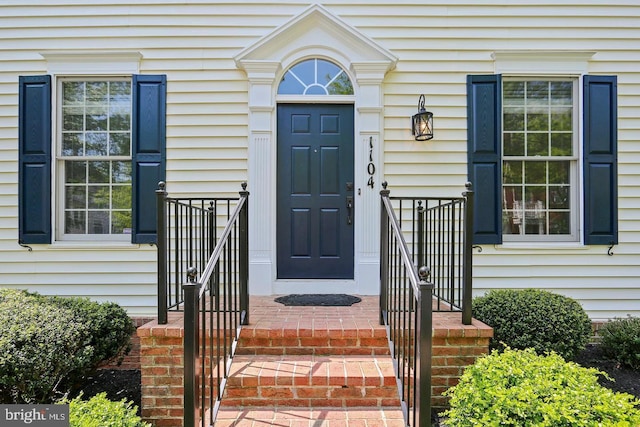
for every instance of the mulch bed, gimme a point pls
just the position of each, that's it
(117, 383)
(626, 380)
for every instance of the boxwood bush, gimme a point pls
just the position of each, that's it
(109, 325)
(621, 341)
(533, 318)
(48, 343)
(522, 388)
(102, 412)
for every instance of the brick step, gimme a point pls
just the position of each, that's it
(309, 417)
(311, 381)
(335, 338)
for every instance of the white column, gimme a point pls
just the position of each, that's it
(261, 164)
(369, 166)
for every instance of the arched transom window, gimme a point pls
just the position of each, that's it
(315, 77)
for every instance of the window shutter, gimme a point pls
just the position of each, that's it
(484, 151)
(148, 152)
(600, 160)
(34, 159)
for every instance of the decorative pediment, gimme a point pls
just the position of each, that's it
(315, 32)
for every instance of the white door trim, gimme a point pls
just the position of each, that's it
(314, 33)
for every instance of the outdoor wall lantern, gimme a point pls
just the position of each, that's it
(422, 122)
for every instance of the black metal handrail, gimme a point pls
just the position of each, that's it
(439, 230)
(406, 310)
(188, 229)
(216, 305)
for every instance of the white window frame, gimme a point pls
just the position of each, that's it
(59, 170)
(575, 174)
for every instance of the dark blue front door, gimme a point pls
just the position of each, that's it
(315, 210)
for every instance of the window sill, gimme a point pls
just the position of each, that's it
(541, 246)
(103, 246)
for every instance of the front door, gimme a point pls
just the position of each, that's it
(315, 203)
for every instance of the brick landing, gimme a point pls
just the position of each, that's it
(340, 349)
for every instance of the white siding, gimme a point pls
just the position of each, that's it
(437, 43)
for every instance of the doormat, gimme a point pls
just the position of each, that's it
(325, 300)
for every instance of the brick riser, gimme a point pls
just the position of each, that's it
(311, 381)
(308, 341)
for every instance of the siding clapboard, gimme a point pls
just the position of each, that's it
(438, 43)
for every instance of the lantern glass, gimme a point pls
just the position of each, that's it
(423, 126)
(422, 122)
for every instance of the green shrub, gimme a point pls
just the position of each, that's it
(536, 319)
(109, 324)
(102, 412)
(40, 344)
(521, 388)
(48, 343)
(621, 341)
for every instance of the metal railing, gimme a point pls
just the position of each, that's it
(439, 237)
(216, 305)
(406, 310)
(188, 230)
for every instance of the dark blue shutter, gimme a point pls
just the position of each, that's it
(484, 151)
(34, 159)
(600, 160)
(148, 146)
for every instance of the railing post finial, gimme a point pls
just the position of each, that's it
(468, 190)
(384, 192)
(424, 273)
(192, 274)
(244, 192)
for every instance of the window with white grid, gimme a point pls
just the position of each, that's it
(540, 159)
(94, 159)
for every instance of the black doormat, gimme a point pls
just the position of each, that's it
(328, 300)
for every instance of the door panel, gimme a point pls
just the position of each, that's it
(315, 178)
(301, 170)
(329, 232)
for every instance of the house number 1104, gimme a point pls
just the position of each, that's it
(371, 167)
